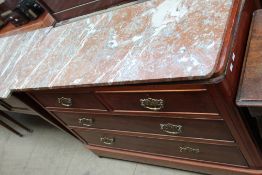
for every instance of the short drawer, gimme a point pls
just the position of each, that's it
(172, 148)
(197, 128)
(69, 100)
(195, 101)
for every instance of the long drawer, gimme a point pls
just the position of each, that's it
(69, 100)
(171, 148)
(197, 128)
(183, 101)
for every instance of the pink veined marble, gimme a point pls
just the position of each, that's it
(154, 41)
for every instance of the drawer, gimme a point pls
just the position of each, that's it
(69, 100)
(197, 101)
(172, 148)
(197, 128)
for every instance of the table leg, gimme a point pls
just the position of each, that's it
(14, 121)
(10, 128)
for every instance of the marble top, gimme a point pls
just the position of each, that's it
(154, 41)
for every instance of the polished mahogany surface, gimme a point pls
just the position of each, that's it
(192, 125)
(198, 151)
(190, 100)
(69, 100)
(155, 125)
(66, 9)
(250, 88)
(189, 125)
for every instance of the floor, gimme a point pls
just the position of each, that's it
(49, 151)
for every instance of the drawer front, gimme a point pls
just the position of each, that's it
(197, 128)
(189, 150)
(69, 100)
(182, 101)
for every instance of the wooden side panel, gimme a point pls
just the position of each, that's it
(250, 91)
(239, 48)
(224, 93)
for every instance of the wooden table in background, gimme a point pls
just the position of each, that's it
(43, 21)
(250, 87)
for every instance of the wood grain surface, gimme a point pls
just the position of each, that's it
(250, 88)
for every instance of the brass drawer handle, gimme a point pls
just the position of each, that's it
(107, 141)
(86, 121)
(152, 104)
(67, 102)
(189, 149)
(171, 129)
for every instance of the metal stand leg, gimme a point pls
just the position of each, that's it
(6, 116)
(14, 121)
(10, 128)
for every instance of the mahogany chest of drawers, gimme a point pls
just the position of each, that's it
(173, 121)
(191, 125)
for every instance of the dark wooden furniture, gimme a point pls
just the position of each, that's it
(66, 9)
(250, 88)
(258, 3)
(191, 125)
(43, 21)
